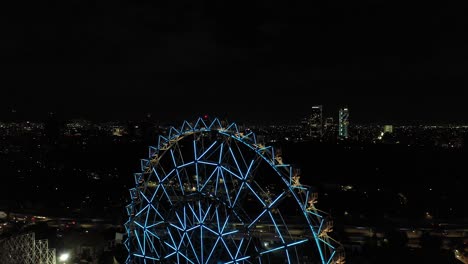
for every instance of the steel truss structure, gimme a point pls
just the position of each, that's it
(24, 249)
(210, 192)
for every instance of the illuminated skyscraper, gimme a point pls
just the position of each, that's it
(316, 122)
(343, 124)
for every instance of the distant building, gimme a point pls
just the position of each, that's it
(343, 123)
(305, 125)
(329, 122)
(329, 129)
(316, 122)
(388, 129)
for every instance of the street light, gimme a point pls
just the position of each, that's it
(64, 257)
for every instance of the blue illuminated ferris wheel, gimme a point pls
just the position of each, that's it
(210, 192)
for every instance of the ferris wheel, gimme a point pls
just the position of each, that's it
(211, 192)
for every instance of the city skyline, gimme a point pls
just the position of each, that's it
(91, 166)
(399, 111)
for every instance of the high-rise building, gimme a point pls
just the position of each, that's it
(316, 122)
(305, 125)
(343, 123)
(329, 129)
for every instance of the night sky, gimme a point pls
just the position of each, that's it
(244, 60)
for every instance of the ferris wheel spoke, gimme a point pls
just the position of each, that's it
(239, 191)
(193, 249)
(207, 163)
(227, 248)
(154, 250)
(239, 247)
(186, 218)
(167, 176)
(182, 167)
(207, 213)
(185, 257)
(255, 221)
(218, 223)
(170, 254)
(248, 246)
(238, 260)
(155, 173)
(249, 169)
(285, 246)
(250, 166)
(235, 160)
(151, 233)
(140, 248)
(224, 224)
(206, 150)
(177, 172)
(220, 156)
(180, 221)
(167, 195)
(200, 212)
(287, 255)
(180, 238)
(157, 212)
(231, 172)
(236, 246)
(326, 243)
(188, 250)
(255, 194)
(286, 229)
(201, 244)
(210, 230)
(147, 216)
(174, 244)
(180, 155)
(280, 235)
(212, 250)
(207, 181)
(226, 189)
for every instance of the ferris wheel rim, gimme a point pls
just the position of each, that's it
(266, 153)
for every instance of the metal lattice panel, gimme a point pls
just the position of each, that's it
(51, 256)
(19, 250)
(42, 247)
(24, 249)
